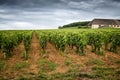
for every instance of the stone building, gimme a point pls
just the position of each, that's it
(100, 23)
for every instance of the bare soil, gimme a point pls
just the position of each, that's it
(55, 56)
(34, 55)
(16, 57)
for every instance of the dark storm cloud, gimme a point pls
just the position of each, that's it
(29, 3)
(78, 4)
(116, 0)
(85, 5)
(19, 14)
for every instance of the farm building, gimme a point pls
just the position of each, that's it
(100, 23)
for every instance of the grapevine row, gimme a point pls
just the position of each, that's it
(10, 39)
(99, 40)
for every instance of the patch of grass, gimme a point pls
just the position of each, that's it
(46, 66)
(43, 51)
(62, 76)
(118, 72)
(103, 72)
(102, 68)
(99, 53)
(1, 77)
(95, 62)
(23, 79)
(117, 62)
(67, 62)
(70, 76)
(84, 75)
(20, 65)
(63, 54)
(2, 65)
(24, 55)
(42, 76)
(74, 68)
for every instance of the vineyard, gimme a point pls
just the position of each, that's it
(66, 54)
(97, 39)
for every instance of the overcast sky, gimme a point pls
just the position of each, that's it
(49, 14)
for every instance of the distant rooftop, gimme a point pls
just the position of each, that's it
(105, 21)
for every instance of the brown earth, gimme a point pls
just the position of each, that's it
(54, 55)
(34, 55)
(16, 57)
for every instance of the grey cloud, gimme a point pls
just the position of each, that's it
(87, 5)
(29, 19)
(34, 14)
(116, 0)
(29, 3)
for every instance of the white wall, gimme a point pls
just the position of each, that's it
(95, 26)
(117, 27)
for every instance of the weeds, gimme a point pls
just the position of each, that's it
(67, 62)
(24, 55)
(118, 62)
(20, 65)
(46, 66)
(2, 65)
(95, 62)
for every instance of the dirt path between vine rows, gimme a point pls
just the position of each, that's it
(10, 62)
(56, 57)
(34, 54)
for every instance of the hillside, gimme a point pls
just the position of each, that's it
(76, 25)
